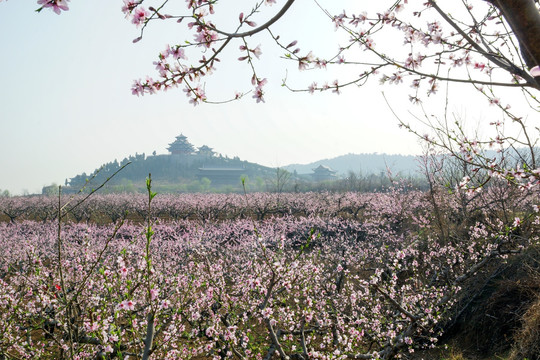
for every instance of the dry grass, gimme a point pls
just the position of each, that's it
(499, 315)
(527, 339)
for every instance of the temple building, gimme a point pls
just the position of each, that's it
(205, 151)
(181, 146)
(322, 173)
(222, 175)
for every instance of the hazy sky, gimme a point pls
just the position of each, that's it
(66, 105)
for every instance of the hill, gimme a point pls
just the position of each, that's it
(404, 165)
(184, 169)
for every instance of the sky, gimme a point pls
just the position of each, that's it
(66, 106)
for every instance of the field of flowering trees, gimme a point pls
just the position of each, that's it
(256, 276)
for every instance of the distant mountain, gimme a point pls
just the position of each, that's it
(404, 165)
(362, 163)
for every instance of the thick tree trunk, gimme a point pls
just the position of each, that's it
(524, 19)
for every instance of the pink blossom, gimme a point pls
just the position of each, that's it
(154, 294)
(399, 7)
(200, 13)
(434, 87)
(336, 87)
(494, 101)
(137, 88)
(320, 64)
(464, 182)
(177, 52)
(56, 5)
(396, 78)
(161, 67)
(127, 305)
(165, 304)
(128, 6)
(259, 93)
(267, 311)
(205, 36)
(360, 19)
(257, 51)
(124, 271)
(130, 305)
(196, 94)
(139, 16)
(303, 62)
(369, 43)
(339, 19)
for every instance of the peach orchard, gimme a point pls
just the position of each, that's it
(318, 276)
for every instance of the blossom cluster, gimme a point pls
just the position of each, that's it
(55, 5)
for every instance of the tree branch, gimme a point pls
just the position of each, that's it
(266, 25)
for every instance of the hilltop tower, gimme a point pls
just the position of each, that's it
(181, 146)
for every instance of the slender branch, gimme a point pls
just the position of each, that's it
(396, 304)
(92, 192)
(266, 25)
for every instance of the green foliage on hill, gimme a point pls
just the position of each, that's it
(171, 173)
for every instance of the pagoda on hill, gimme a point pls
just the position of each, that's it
(181, 146)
